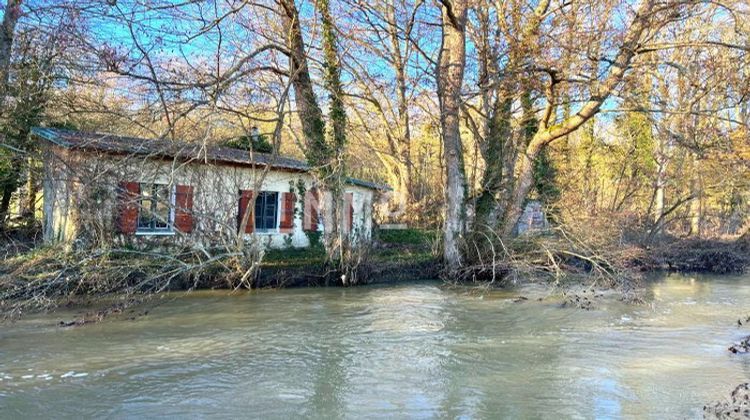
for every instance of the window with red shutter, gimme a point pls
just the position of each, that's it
(127, 207)
(267, 212)
(246, 197)
(183, 212)
(287, 212)
(155, 209)
(310, 212)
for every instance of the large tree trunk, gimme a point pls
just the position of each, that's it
(500, 147)
(325, 158)
(524, 180)
(316, 150)
(334, 177)
(487, 208)
(310, 115)
(449, 81)
(10, 19)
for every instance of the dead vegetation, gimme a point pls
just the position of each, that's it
(555, 257)
(122, 308)
(49, 276)
(19, 239)
(35, 277)
(580, 257)
(40, 278)
(584, 299)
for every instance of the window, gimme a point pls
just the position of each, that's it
(155, 208)
(266, 211)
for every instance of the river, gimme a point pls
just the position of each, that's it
(417, 350)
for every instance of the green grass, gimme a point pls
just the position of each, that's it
(399, 255)
(410, 245)
(294, 257)
(406, 236)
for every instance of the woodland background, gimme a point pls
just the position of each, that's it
(627, 119)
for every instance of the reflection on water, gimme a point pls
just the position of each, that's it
(407, 351)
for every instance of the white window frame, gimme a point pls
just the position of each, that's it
(275, 230)
(167, 231)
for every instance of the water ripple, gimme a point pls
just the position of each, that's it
(408, 351)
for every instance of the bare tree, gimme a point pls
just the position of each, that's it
(385, 32)
(450, 75)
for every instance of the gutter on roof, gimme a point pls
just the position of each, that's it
(368, 184)
(47, 135)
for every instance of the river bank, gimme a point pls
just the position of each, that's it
(37, 277)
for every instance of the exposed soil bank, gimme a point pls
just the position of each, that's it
(371, 273)
(694, 255)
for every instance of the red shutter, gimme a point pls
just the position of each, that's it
(183, 213)
(310, 213)
(127, 207)
(287, 212)
(246, 200)
(349, 210)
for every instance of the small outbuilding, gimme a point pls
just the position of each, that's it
(111, 188)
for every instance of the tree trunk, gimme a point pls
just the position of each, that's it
(500, 146)
(317, 151)
(5, 205)
(487, 209)
(399, 67)
(695, 216)
(449, 82)
(660, 182)
(336, 237)
(310, 115)
(695, 204)
(324, 158)
(524, 181)
(32, 188)
(10, 19)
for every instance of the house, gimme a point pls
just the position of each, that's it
(117, 189)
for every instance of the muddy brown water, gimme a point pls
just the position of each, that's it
(407, 351)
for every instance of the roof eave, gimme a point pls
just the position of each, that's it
(49, 135)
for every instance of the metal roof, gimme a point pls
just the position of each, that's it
(111, 143)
